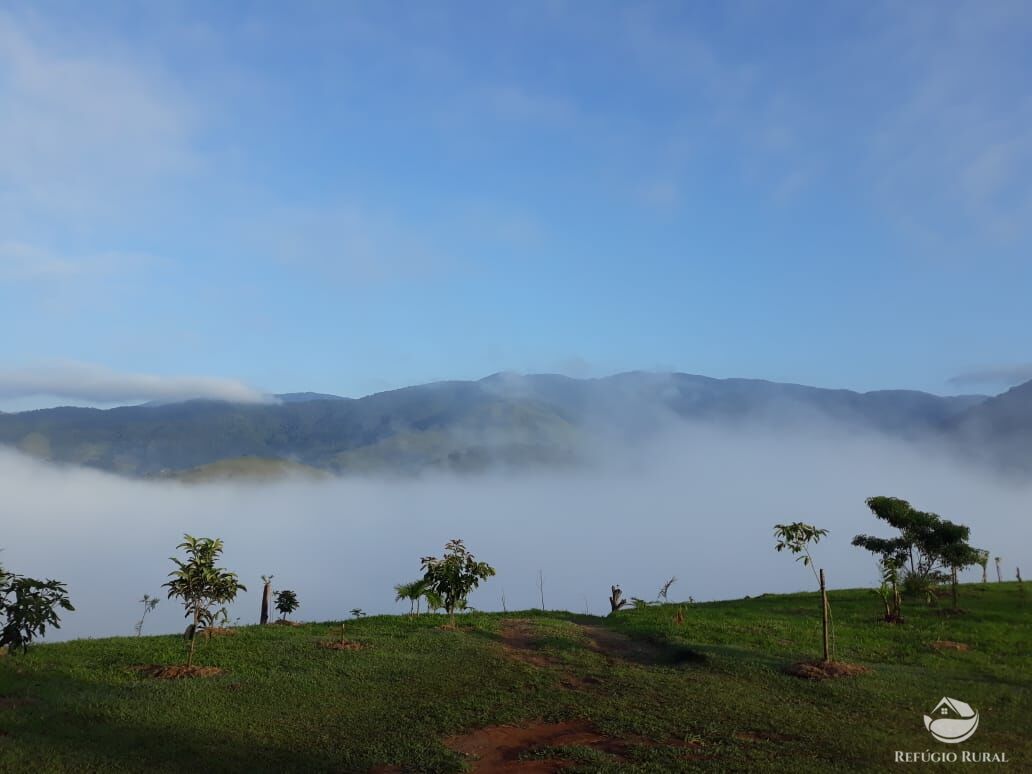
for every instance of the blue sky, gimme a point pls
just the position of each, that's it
(353, 197)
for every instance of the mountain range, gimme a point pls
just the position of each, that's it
(506, 420)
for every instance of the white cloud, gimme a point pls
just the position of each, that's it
(348, 541)
(96, 384)
(81, 128)
(1004, 375)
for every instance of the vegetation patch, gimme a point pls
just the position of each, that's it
(175, 672)
(13, 702)
(824, 670)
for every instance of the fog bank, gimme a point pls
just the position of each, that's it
(699, 504)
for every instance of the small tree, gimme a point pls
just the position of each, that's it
(357, 612)
(932, 549)
(149, 603)
(286, 603)
(434, 601)
(413, 592)
(953, 551)
(27, 607)
(455, 575)
(201, 585)
(889, 590)
(999, 571)
(796, 537)
(983, 562)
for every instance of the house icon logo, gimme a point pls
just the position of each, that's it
(952, 721)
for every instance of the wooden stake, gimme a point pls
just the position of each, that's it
(266, 600)
(824, 616)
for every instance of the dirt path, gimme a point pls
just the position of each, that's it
(615, 645)
(519, 639)
(500, 748)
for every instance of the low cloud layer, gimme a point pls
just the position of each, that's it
(998, 376)
(699, 505)
(96, 384)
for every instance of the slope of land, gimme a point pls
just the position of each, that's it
(533, 692)
(246, 469)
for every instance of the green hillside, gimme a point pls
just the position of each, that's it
(533, 691)
(248, 469)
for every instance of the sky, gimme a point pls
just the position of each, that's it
(351, 197)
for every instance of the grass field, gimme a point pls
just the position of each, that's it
(634, 692)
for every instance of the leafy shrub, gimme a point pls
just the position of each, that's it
(27, 607)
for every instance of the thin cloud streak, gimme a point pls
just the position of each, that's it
(1004, 375)
(96, 384)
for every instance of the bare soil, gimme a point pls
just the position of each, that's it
(825, 670)
(949, 645)
(511, 748)
(217, 631)
(177, 672)
(338, 645)
(499, 748)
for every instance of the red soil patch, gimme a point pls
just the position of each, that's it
(178, 672)
(338, 645)
(498, 748)
(825, 670)
(949, 645)
(217, 631)
(503, 748)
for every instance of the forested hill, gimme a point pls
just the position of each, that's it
(505, 419)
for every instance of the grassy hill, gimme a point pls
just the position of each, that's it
(526, 691)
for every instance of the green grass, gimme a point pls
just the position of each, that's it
(286, 705)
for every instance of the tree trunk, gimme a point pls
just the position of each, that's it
(266, 600)
(953, 577)
(999, 573)
(615, 601)
(824, 617)
(193, 638)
